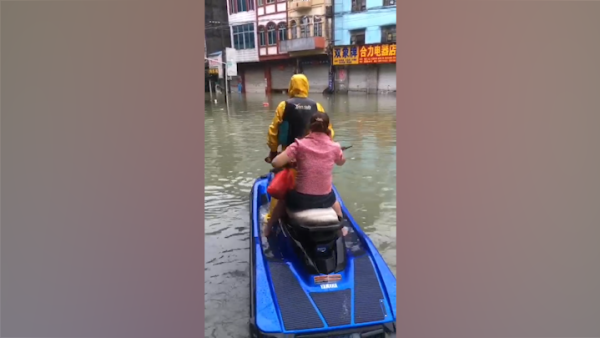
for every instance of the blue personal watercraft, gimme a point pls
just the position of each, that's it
(309, 280)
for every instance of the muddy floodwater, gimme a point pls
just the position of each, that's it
(235, 146)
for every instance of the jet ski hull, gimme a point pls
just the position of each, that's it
(286, 300)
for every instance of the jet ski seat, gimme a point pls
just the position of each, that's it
(315, 220)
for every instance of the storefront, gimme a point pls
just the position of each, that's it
(386, 81)
(357, 78)
(254, 79)
(281, 73)
(211, 79)
(369, 68)
(317, 72)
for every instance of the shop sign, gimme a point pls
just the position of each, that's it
(365, 54)
(215, 62)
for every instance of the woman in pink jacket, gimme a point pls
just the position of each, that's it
(315, 156)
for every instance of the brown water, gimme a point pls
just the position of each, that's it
(235, 146)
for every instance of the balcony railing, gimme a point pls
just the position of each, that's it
(316, 29)
(302, 44)
(301, 4)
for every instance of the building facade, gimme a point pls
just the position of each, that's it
(346, 45)
(364, 52)
(257, 28)
(216, 16)
(309, 41)
(243, 32)
(242, 22)
(291, 36)
(216, 36)
(271, 17)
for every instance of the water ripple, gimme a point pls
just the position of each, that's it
(234, 152)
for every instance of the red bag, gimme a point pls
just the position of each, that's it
(281, 184)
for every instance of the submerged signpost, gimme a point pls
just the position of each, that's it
(216, 62)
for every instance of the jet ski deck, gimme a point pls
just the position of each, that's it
(287, 300)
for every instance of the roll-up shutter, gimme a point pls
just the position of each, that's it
(357, 78)
(318, 77)
(387, 78)
(254, 79)
(280, 76)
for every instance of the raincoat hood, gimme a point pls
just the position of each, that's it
(298, 86)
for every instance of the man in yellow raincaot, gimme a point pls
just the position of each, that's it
(291, 120)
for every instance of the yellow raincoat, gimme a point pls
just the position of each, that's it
(298, 88)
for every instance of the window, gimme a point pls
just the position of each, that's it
(318, 26)
(237, 6)
(294, 29)
(359, 6)
(261, 36)
(389, 2)
(305, 27)
(243, 36)
(271, 34)
(270, 1)
(357, 37)
(260, 2)
(388, 34)
(242, 5)
(282, 29)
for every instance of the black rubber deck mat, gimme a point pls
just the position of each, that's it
(297, 311)
(368, 297)
(336, 307)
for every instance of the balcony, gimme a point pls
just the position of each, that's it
(302, 44)
(300, 4)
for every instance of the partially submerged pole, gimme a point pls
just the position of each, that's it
(226, 86)
(226, 92)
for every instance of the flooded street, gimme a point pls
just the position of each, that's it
(235, 148)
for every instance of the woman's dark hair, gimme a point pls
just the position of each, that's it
(319, 123)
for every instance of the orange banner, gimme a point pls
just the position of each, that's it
(377, 54)
(367, 54)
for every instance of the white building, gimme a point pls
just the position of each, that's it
(272, 27)
(242, 24)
